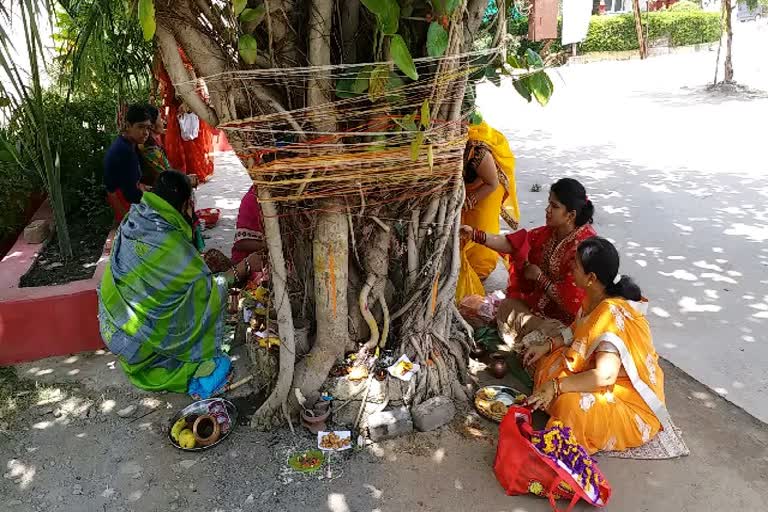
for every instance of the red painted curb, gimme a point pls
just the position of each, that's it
(47, 320)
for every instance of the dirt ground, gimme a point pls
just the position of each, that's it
(81, 442)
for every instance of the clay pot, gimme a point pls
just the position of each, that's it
(498, 366)
(314, 424)
(206, 430)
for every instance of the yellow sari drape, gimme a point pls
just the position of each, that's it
(479, 261)
(630, 412)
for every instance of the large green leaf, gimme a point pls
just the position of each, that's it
(450, 6)
(402, 57)
(437, 40)
(247, 47)
(387, 14)
(522, 88)
(541, 87)
(147, 18)
(238, 6)
(255, 15)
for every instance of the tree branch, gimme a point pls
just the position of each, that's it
(169, 52)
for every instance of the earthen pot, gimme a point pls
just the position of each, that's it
(498, 366)
(206, 430)
(477, 352)
(314, 424)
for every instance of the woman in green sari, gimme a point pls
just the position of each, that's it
(161, 309)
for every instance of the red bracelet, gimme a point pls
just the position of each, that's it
(479, 236)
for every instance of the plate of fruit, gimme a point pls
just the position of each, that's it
(202, 424)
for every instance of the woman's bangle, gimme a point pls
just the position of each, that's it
(247, 268)
(236, 273)
(551, 345)
(479, 236)
(558, 389)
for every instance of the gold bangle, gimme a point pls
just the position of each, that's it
(558, 389)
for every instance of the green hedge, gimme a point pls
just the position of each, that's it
(617, 32)
(82, 130)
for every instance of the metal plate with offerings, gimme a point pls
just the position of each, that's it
(202, 424)
(493, 402)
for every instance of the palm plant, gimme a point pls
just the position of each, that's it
(23, 94)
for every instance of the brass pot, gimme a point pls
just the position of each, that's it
(498, 366)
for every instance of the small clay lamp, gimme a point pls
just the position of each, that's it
(206, 430)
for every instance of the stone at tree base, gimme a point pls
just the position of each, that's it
(433, 413)
(348, 414)
(391, 423)
(37, 231)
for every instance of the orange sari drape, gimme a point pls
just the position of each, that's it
(630, 412)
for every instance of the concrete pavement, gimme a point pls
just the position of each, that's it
(677, 175)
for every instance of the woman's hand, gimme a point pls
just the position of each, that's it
(542, 396)
(532, 272)
(534, 353)
(255, 261)
(465, 232)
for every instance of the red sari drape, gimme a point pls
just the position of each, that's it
(556, 260)
(192, 156)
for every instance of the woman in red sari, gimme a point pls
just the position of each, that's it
(542, 297)
(188, 156)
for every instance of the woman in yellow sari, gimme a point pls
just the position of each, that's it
(489, 178)
(601, 377)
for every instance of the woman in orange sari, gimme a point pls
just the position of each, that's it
(602, 377)
(542, 297)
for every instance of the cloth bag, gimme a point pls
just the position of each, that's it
(521, 468)
(189, 125)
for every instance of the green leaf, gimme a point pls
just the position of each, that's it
(533, 59)
(344, 87)
(522, 88)
(247, 47)
(514, 61)
(430, 157)
(437, 40)
(255, 15)
(407, 123)
(238, 6)
(362, 80)
(541, 86)
(5, 101)
(402, 57)
(450, 6)
(390, 20)
(416, 143)
(379, 79)
(425, 115)
(147, 18)
(387, 14)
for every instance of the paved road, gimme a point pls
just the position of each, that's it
(678, 176)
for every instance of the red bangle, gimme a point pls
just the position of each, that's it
(479, 236)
